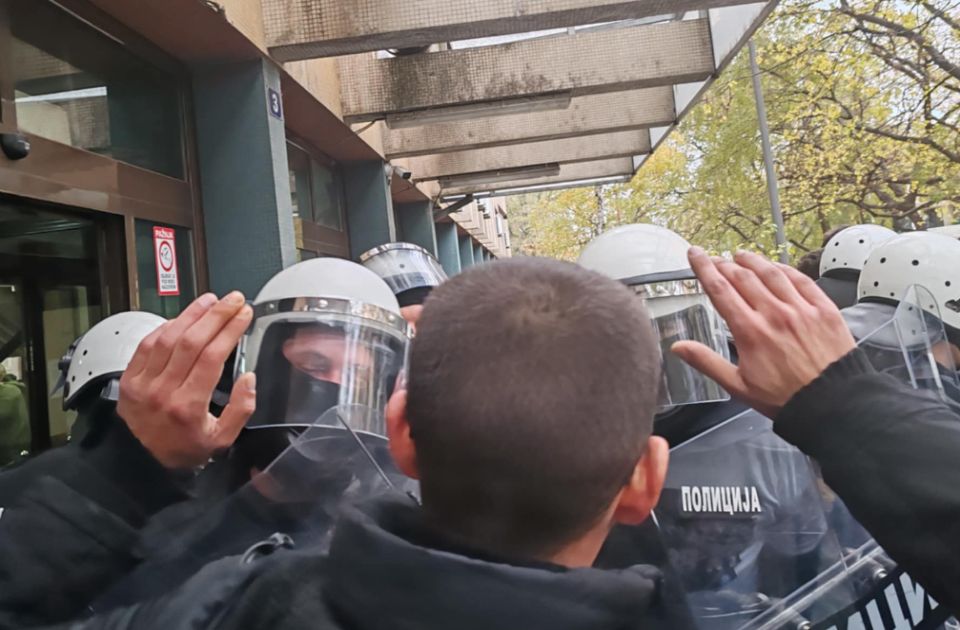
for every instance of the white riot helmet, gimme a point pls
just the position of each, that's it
(409, 270)
(100, 356)
(953, 231)
(931, 261)
(327, 344)
(653, 262)
(846, 253)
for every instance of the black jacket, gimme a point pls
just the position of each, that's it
(71, 530)
(893, 455)
(388, 569)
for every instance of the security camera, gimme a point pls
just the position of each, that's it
(15, 146)
(402, 172)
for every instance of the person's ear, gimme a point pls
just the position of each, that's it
(638, 498)
(402, 448)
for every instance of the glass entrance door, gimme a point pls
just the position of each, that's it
(50, 294)
(15, 378)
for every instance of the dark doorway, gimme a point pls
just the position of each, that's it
(52, 289)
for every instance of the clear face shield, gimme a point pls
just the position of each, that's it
(294, 503)
(403, 267)
(312, 355)
(681, 311)
(908, 341)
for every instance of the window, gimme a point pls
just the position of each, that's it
(316, 189)
(76, 85)
(167, 302)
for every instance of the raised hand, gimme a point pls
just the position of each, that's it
(166, 390)
(786, 329)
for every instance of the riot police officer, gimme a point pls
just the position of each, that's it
(890, 276)
(843, 258)
(89, 382)
(409, 270)
(327, 345)
(61, 507)
(740, 516)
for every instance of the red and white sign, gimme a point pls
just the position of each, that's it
(165, 249)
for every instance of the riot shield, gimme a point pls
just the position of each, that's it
(742, 519)
(907, 341)
(292, 503)
(886, 599)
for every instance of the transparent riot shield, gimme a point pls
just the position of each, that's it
(886, 598)
(742, 519)
(908, 341)
(292, 503)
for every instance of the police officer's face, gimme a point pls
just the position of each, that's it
(323, 355)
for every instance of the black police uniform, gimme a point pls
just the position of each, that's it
(73, 530)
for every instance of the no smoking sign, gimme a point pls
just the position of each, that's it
(165, 249)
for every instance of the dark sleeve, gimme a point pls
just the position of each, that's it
(72, 533)
(892, 454)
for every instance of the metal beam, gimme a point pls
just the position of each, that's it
(305, 29)
(599, 113)
(576, 171)
(567, 150)
(594, 62)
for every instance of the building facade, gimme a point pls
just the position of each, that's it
(170, 154)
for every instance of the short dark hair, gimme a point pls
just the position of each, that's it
(809, 264)
(531, 396)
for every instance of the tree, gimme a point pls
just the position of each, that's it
(863, 99)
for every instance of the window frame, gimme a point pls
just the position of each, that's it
(310, 235)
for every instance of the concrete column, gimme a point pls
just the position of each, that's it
(370, 216)
(415, 225)
(448, 247)
(242, 149)
(478, 257)
(466, 252)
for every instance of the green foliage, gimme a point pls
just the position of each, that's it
(863, 100)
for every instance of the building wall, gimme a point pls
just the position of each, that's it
(247, 17)
(321, 79)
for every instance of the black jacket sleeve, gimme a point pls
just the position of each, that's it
(73, 530)
(892, 454)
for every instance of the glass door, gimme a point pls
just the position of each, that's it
(51, 290)
(16, 381)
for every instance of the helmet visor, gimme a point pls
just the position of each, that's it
(680, 311)
(907, 341)
(404, 269)
(309, 362)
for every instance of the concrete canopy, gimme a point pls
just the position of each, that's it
(571, 172)
(478, 162)
(585, 63)
(303, 29)
(593, 114)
